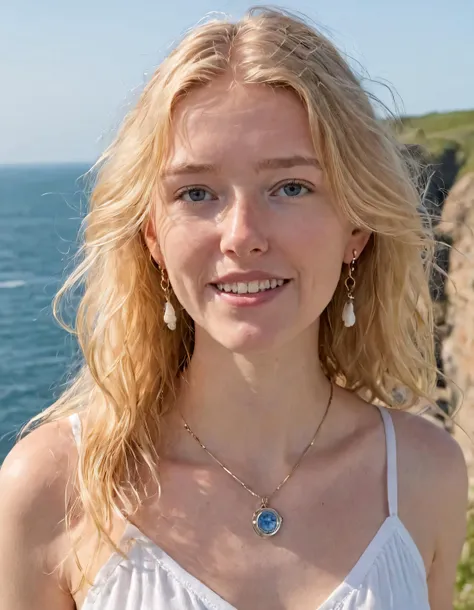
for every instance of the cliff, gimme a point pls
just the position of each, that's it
(445, 143)
(458, 345)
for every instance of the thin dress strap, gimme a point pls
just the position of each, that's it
(391, 445)
(76, 428)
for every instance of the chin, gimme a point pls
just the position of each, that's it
(244, 339)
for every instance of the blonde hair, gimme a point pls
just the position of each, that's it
(131, 361)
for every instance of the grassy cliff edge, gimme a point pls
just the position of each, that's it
(439, 131)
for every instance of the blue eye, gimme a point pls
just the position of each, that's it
(292, 189)
(194, 195)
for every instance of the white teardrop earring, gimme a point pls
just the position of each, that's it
(348, 314)
(169, 315)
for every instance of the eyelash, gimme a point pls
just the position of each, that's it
(187, 189)
(295, 183)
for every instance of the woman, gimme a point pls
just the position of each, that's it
(256, 278)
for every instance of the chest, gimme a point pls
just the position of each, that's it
(204, 522)
(334, 521)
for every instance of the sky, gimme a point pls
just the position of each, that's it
(69, 70)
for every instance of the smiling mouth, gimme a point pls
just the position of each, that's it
(253, 287)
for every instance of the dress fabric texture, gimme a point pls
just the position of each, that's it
(389, 575)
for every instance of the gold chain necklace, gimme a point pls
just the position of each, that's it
(266, 521)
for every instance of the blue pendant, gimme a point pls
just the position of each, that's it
(266, 521)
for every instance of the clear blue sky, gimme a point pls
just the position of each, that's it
(68, 70)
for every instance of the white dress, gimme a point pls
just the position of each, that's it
(389, 575)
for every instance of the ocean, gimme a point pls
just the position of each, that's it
(41, 208)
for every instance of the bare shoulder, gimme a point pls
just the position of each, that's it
(429, 453)
(35, 488)
(433, 495)
(34, 479)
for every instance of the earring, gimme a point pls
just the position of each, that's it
(169, 315)
(348, 314)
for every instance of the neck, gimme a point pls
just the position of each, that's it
(255, 413)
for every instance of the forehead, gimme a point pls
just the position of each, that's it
(222, 120)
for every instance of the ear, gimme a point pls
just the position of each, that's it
(357, 241)
(151, 241)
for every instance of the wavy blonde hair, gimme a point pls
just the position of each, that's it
(131, 361)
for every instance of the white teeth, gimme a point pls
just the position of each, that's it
(250, 287)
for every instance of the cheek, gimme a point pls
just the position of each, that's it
(319, 233)
(186, 251)
(320, 249)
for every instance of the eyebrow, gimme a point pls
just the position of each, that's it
(265, 164)
(287, 162)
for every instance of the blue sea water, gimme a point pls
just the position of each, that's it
(41, 208)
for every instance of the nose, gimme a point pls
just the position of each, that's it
(243, 229)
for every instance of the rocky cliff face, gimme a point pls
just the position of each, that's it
(457, 346)
(450, 201)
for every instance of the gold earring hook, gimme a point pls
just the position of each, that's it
(165, 282)
(350, 282)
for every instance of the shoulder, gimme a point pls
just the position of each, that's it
(433, 484)
(34, 483)
(429, 452)
(34, 479)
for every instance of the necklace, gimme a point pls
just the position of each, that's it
(266, 521)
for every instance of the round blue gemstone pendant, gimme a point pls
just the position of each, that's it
(266, 521)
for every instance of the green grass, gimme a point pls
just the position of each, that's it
(441, 121)
(465, 575)
(438, 131)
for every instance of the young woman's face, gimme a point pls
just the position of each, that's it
(246, 228)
